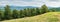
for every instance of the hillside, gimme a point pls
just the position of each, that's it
(47, 17)
(56, 9)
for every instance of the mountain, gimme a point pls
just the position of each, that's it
(53, 7)
(56, 9)
(23, 7)
(17, 7)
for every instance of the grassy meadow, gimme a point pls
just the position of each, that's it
(46, 17)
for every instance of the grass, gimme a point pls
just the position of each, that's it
(47, 17)
(53, 19)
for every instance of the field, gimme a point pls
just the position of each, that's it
(47, 17)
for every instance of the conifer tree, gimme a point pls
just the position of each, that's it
(1, 14)
(22, 14)
(7, 12)
(15, 14)
(33, 11)
(38, 11)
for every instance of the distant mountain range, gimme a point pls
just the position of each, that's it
(18, 7)
(23, 7)
(56, 9)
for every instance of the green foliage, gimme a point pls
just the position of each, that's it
(21, 13)
(1, 14)
(53, 10)
(38, 11)
(44, 9)
(33, 12)
(27, 12)
(7, 12)
(15, 14)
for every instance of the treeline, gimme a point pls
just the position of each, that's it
(27, 12)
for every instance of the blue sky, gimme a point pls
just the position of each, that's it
(39, 3)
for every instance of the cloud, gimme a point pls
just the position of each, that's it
(21, 2)
(52, 3)
(27, 0)
(54, 0)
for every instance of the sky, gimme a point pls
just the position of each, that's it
(39, 3)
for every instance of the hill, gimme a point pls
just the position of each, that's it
(47, 17)
(56, 9)
(17, 7)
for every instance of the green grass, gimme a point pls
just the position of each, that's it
(47, 17)
(53, 19)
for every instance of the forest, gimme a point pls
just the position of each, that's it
(8, 14)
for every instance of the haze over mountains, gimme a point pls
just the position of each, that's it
(18, 7)
(23, 7)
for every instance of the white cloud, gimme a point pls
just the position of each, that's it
(54, 0)
(52, 3)
(21, 3)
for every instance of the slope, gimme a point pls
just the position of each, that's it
(47, 17)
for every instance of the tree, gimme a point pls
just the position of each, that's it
(1, 15)
(44, 9)
(33, 11)
(15, 14)
(38, 11)
(22, 14)
(7, 12)
(53, 10)
(27, 12)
